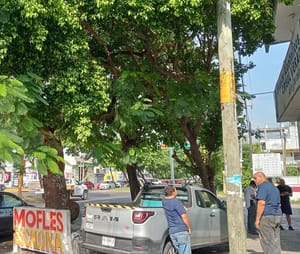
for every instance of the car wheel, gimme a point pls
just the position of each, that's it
(84, 195)
(169, 248)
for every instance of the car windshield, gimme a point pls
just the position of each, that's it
(7, 200)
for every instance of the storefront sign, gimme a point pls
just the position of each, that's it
(42, 230)
(289, 79)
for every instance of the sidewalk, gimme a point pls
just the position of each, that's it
(290, 240)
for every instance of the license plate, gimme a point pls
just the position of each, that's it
(108, 241)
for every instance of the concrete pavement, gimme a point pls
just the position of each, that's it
(290, 240)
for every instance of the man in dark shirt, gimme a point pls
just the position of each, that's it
(250, 202)
(285, 194)
(178, 221)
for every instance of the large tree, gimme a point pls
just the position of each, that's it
(100, 60)
(167, 53)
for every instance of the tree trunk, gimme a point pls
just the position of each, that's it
(211, 171)
(20, 177)
(56, 195)
(133, 180)
(194, 154)
(55, 192)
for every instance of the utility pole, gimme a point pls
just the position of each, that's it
(233, 174)
(284, 171)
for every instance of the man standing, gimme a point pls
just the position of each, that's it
(178, 221)
(250, 193)
(268, 214)
(285, 194)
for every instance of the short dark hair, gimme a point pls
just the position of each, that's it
(252, 182)
(169, 190)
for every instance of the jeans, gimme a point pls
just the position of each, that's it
(182, 242)
(269, 234)
(251, 219)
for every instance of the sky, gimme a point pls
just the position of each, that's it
(262, 79)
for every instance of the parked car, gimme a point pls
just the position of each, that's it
(90, 185)
(2, 186)
(120, 184)
(77, 189)
(156, 181)
(7, 203)
(133, 227)
(107, 185)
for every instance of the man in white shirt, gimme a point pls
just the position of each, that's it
(250, 194)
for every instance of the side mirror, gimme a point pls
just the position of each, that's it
(224, 202)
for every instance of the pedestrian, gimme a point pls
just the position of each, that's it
(268, 214)
(250, 195)
(178, 221)
(285, 194)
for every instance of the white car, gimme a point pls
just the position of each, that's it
(107, 185)
(77, 189)
(156, 181)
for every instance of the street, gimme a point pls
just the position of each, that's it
(289, 239)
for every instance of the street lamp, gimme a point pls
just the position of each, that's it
(253, 95)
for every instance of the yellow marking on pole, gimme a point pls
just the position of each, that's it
(227, 87)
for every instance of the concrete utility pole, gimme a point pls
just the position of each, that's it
(233, 174)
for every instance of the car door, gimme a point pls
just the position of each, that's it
(199, 216)
(217, 217)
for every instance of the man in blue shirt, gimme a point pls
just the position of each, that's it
(268, 214)
(178, 221)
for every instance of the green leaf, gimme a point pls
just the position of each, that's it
(52, 165)
(8, 108)
(48, 150)
(21, 109)
(4, 16)
(131, 152)
(7, 156)
(3, 90)
(27, 124)
(39, 155)
(42, 168)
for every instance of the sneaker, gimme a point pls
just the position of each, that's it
(291, 228)
(281, 227)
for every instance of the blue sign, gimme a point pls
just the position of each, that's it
(235, 179)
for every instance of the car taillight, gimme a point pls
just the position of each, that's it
(84, 211)
(141, 216)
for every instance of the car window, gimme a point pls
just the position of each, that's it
(199, 200)
(206, 199)
(152, 197)
(7, 200)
